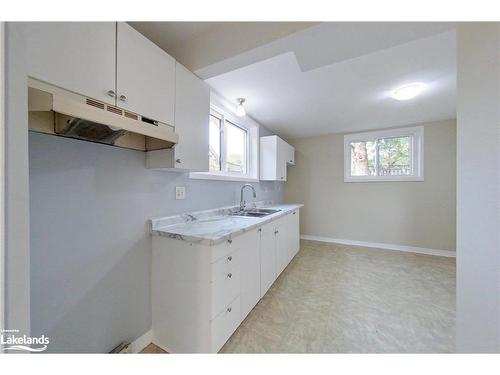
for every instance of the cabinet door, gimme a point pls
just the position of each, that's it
(281, 159)
(249, 260)
(145, 76)
(282, 244)
(291, 235)
(294, 229)
(76, 56)
(267, 257)
(192, 113)
(290, 152)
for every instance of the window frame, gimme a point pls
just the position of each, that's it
(252, 149)
(224, 118)
(221, 126)
(247, 140)
(416, 154)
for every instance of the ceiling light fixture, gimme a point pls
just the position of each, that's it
(240, 110)
(408, 91)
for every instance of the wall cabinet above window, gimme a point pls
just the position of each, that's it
(275, 155)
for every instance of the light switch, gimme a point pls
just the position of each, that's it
(180, 192)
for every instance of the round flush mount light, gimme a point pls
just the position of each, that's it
(408, 92)
(240, 110)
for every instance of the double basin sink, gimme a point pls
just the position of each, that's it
(255, 212)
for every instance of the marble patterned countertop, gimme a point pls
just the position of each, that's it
(214, 226)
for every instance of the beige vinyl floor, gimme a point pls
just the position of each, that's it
(344, 299)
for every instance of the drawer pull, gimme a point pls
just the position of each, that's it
(276, 232)
(230, 258)
(229, 241)
(260, 229)
(229, 275)
(229, 309)
(294, 212)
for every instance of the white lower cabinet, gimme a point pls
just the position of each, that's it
(268, 257)
(225, 324)
(249, 258)
(201, 293)
(280, 242)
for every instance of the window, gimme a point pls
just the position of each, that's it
(236, 149)
(214, 143)
(388, 155)
(228, 146)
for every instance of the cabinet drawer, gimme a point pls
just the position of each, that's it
(229, 263)
(223, 249)
(224, 290)
(224, 325)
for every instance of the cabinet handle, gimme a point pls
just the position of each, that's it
(276, 232)
(294, 212)
(123, 98)
(229, 275)
(230, 258)
(229, 241)
(229, 309)
(260, 229)
(111, 93)
(282, 178)
(291, 161)
(178, 161)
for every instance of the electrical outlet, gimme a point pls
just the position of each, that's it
(180, 192)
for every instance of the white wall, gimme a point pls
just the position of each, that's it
(17, 237)
(478, 188)
(417, 214)
(2, 180)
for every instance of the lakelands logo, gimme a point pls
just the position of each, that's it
(12, 341)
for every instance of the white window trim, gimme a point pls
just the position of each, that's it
(252, 152)
(417, 153)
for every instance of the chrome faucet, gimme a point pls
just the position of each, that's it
(242, 202)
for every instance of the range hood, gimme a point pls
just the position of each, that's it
(60, 112)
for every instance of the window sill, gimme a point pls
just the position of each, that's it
(386, 179)
(221, 177)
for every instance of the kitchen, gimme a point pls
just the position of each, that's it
(171, 197)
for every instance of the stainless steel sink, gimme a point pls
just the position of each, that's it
(256, 212)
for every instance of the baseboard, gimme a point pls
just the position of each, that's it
(141, 342)
(385, 246)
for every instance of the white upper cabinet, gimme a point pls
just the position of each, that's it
(290, 152)
(77, 56)
(145, 76)
(275, 154)
(192, 114)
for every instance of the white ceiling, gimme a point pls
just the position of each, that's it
(199, 44)
(305, 79)
(172, 35)
(332, 78)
